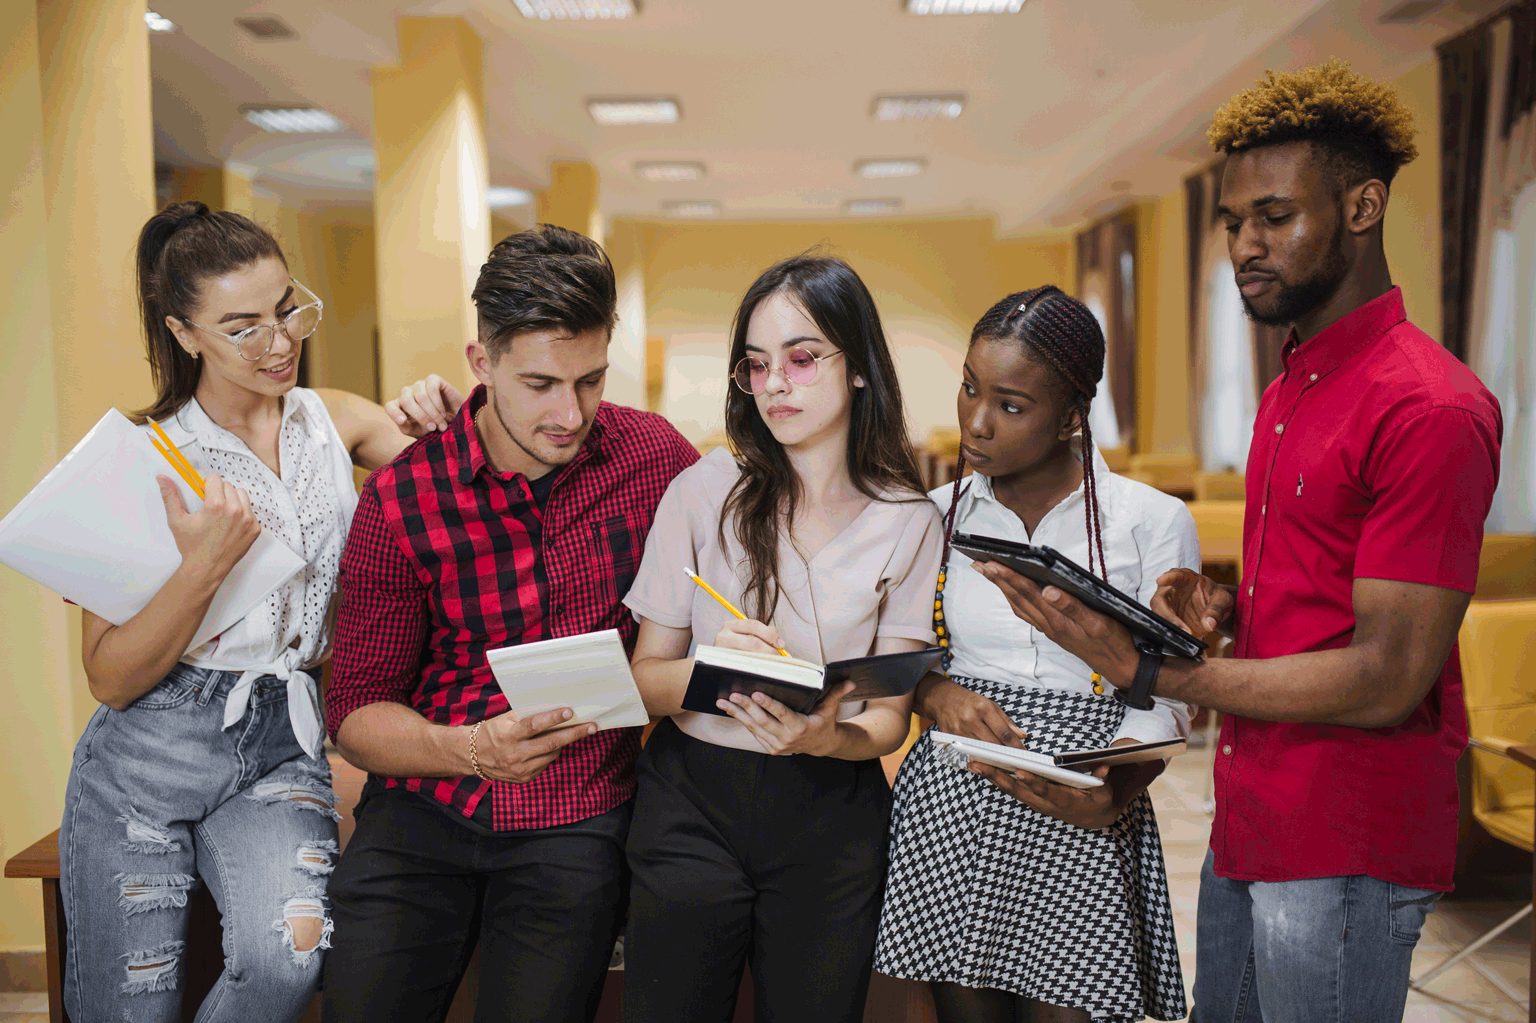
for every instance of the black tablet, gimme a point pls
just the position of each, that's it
(1050, 568)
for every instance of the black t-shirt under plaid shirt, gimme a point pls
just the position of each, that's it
(447, 559)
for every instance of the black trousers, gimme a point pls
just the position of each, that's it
(741, 857)
(416, 889)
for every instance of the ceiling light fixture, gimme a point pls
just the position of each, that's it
(634, 111)
(292, 120)
(690, 208)
(872, 207)
(670, 170)
(918, 108)
(903, 168)
(503, 198)
(964, 6)
(577, 10)
(158, 24)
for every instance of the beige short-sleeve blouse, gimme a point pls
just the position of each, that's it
(875, 579)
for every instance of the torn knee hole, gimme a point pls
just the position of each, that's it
(306, 925)
(302, 796)
(139, 893)
(153, 969)
(317, 857)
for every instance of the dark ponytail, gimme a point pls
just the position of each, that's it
(180, 247)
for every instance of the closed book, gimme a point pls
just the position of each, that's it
(800, 685)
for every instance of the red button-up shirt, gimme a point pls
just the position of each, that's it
(447, 559)
(1375, 456)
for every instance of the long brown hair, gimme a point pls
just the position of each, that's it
(881, 461)
(1061, 332)
(180, 247)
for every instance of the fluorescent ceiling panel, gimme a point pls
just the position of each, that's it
(293, 121)
(903, 168)
(158, 24)
(964, 6)
(690, 208)
(502, 198)
(669, 170)
(945, 107)
(634, 111)
(872, 207)
(577, 10)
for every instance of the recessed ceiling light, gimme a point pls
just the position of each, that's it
(502, 198)
(872, 207)
(964, 6)
(158, 24)
(690, 208)
(918, 108)
(266, 28)
(577, 10)
(669, 170)
(634, 111)
(292, 120)
(905, 168)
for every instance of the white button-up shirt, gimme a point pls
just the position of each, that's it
(1146, 533)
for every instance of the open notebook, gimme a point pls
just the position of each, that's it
(718, 672)
(94, 532)
(587, 673)
(1064, 768)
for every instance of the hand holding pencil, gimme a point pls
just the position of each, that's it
(773, 642)
(217, 535)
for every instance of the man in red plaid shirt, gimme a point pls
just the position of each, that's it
(523, 520)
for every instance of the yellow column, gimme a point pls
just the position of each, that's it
(570, 201)
(238, 197)
(626, 352)
(432, 225)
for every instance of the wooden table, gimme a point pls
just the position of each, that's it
(1527, 756)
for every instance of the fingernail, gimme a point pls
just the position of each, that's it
(722, 705)
(565, 714)
(1052, 594)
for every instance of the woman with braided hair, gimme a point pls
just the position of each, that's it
(1018, 899)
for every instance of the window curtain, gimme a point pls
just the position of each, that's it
(1232, 359)
(1500, 314)
(1106, 283)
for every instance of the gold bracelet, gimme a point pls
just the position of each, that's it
(474, 758)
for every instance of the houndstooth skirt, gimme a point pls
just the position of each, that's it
(985, 892)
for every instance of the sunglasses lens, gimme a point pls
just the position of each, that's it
(751, 375)
(800, 366)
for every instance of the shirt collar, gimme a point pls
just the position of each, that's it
(1341, 339)
(980, 487)
(466, 455)
(190, 424)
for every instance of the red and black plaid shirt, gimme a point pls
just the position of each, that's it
(447, 559)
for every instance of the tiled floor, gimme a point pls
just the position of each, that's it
(1460, 995)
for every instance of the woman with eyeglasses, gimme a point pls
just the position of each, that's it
(204, 766)
(759, 835)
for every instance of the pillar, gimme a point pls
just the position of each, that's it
(570, 201)
(432, 225)
(626, 379)
(237, 183)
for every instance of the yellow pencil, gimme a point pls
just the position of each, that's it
(723, 602)
(179, 460)
(197, 487)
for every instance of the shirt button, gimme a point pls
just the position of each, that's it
(1250, 589)
(1314, 376)
(1227, 750)
(1263, 509)
(1279, 427)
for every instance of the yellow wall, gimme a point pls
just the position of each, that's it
(1412, 235)
(931, 279)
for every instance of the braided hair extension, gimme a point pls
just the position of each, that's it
(1062, 332)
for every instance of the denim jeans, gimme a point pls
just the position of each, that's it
(1321, 950)
(161, 798)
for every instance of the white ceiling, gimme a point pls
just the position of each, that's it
(1063, 98)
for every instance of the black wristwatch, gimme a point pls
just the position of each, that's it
(1139, 695)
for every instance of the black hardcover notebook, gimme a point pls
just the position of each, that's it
(799, 685)
(1050, 568)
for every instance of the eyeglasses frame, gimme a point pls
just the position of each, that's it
(234, 339)
(819, 359)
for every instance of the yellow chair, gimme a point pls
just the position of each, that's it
(1118, 459)
(1174, 474)
(1220, 525)
(1219, 486)
(1507, 567)
(1498, 663)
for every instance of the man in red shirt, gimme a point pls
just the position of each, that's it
(523, 520)
(1373, 464)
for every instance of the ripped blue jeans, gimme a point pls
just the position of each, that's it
(161, 799)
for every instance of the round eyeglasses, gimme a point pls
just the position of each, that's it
(254, 342)
(800, 366)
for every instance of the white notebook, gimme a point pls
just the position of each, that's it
(587, 673)
(94, 531)
(960, 750)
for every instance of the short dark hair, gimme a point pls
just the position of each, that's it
(545, 278)
(1359, 128)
